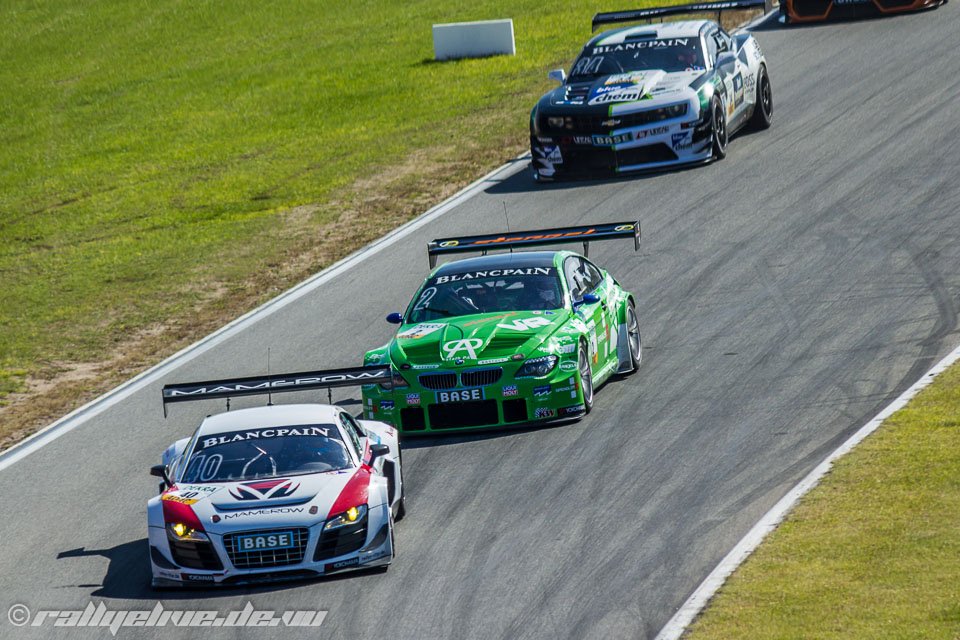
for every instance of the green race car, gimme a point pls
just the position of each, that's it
(507, 339)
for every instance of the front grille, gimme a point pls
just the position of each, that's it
(481, 377)
(195, 555)
(411, 419)
(604, 124)
(476, 413)
(337, 542)
(438, 381)
(267, 557)
(645, 154)
(514, 410)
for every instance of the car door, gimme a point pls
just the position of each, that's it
(584, 277)
(732, 75)
(604, 313)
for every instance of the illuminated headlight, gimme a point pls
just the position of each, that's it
(537, 367)
(348, 517)
(180, 531)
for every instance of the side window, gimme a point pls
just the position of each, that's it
(354, 432)
(592, 276)
(712, 47)
(574, 277)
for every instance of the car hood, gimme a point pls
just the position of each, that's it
(637, 88)
(473, 340)
(287, 500)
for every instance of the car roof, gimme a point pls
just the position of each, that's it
(664, 31)
(278, 415)
(515, 260)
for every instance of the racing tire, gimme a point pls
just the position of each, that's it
(633, 339)
(763, 109)
(718, 129)
(586, 377)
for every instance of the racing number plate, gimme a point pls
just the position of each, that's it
(263, 541)
(459, 395)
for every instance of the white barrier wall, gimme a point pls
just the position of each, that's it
(473, 39)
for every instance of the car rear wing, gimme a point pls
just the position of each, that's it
(637, 15)
(523, 239)
(275, 383)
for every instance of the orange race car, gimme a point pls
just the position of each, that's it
(814, 10)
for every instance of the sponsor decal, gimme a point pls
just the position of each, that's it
(544, 412)
(341, 564)
(196, 577)
(643, 44)
(386, 405)
(572, 411)
(264, 489)
(623, 95)
(567, 388)
(566, 348)
(582, 140)
(263, 434)
(375, 556)
(420, 330)
(172, 497)
(510, 390)
(500, 316)
(426, 366)
(569, 365)
(656, 131)
(173, 575)
(460, 395)
(259, 541)
(493, 360)
(375, 358)
(525, 324)
(275, 511)
(468, 345)
(737, 90)
(199, 488)
(540, 391)
(493, 273)
(681, 141)
(413, 399)
(609, 141)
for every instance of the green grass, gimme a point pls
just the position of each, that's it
(149, 149)
(873, 551)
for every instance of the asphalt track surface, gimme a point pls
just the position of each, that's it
(786, 295)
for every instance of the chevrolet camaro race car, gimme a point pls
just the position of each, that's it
(651, 96)
(819, 10)
(274, 493)
(507, 339)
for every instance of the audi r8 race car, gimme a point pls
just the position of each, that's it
(651, 96)
(277, 492)
(507, 339)
(819, 10)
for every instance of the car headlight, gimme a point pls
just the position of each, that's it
(348, 517)
(536, 367)
(180, 531)
(676, 110)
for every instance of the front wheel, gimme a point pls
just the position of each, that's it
(719, 127)
(586, 377)
(763, 109)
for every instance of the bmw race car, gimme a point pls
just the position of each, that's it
(819, 10)
(651, 96)
(507, 339)
(274, 493)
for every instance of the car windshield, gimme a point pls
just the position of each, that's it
(487, 291)
(267, 452)
(670, 55)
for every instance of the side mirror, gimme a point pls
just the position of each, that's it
(160, 471)
(558, 74)
(588, 298)
(395, 318)
(377, 451)
(726, 59)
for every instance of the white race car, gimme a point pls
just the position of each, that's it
(277, 492)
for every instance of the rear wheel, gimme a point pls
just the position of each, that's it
(586, 377)
(763, 109)
(719, 127)
(633, 338)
